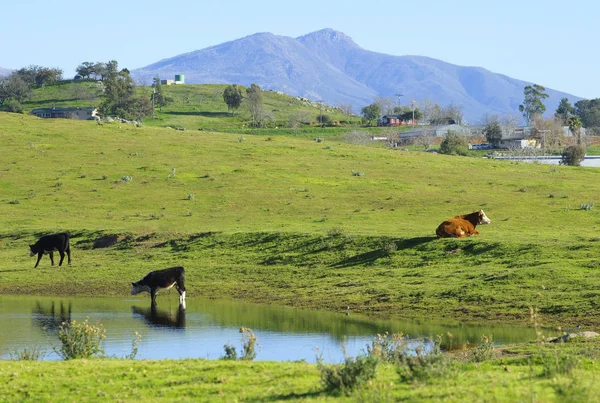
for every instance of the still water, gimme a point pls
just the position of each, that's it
(201, 330)
(590, 162)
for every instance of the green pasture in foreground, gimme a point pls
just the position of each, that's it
(512, 377)
(284, 221)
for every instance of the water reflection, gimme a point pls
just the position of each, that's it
(50, 319)
(202, 330)
(161, 317)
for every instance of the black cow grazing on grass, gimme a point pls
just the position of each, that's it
(48, 244)
(162, 279)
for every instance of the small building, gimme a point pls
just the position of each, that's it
(66, 113)
(167, 82)
(395, 120)
(437, 131)
(519, 143)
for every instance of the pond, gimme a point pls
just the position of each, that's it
(589, 161)
(205, 326)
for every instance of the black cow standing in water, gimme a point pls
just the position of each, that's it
(162, 280)
(48, 244)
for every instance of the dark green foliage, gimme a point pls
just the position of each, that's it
(454, 144)
(564, 110)
(533, 104)
(255, 104)
(323, 119)
(572, 155)
(233, 97)
(38, 76)
(14, 106)
(158, 97)
(424, 366)
(351, 374)
(493, 133)
(119, 95)
(371, 112)
(588, 111)
(14, 87)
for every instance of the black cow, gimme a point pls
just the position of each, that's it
(162, 279)
(48, 244)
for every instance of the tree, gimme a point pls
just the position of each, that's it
(86, 69)
(493, 132)
(564, 110)
(14, 88)
(572, 155)
(158, 97)
(38, 76)
(255, 105)
(454, 144)
(119, 95)
(575, 126)
(233, 97)
(371, 112)
(588, 111)
(346, 109)
(533, 103)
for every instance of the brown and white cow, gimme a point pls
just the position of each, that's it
(462, 226)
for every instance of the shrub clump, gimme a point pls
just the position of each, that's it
(572, 155)
(351, 374)
(14, 106)
(424, 366)
(454, 144)
(249, 345)
(80, 340)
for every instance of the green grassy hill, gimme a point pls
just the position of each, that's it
(285, 221)
(201, 106)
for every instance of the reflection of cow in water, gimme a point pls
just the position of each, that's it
(162, 318)
(51, 319)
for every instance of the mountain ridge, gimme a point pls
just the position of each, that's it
(328, 65)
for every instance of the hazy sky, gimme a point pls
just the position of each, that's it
(548, 42)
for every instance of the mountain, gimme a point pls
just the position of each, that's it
(328, 65)
(4, 72)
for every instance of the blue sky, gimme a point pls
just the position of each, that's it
(547, 42)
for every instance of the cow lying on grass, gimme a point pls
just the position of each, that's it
(462, 226)
(162, 280)
(48, 244)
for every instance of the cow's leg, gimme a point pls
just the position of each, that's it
(181, 288)
(51, 257)
(153, 295)
(68, 250)
(62, 257)
(38, 259)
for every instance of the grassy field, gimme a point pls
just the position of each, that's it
(201, 107)
(290, 221)
(512, 377)
(285, 221)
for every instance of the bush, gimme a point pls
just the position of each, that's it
(14, 106)
(249, 343)
(387, 348)
(572, 155)
(346, 377)
(323, 119)
(424, 366)
(484, 350)
(80, 340)
(28, 354)
(454, 144)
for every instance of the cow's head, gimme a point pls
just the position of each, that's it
(136, 288)
(483, 219)
(31, 250)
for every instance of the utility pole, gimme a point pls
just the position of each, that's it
(321, 112)
(399, 95)
(413, 110)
